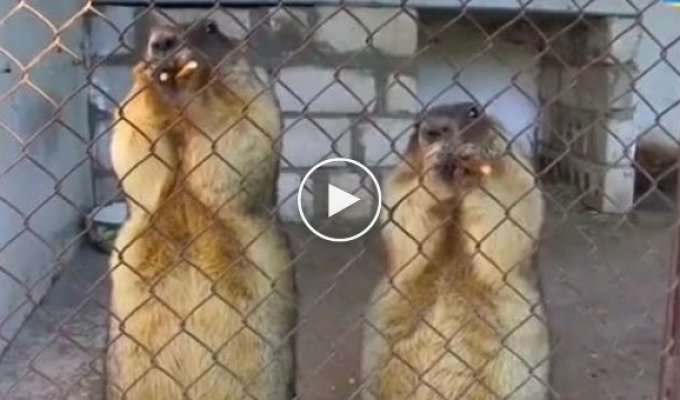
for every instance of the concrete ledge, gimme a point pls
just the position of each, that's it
(601, 8)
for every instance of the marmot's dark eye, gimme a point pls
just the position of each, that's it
(473, 112)
(433, 134)
(210, 27)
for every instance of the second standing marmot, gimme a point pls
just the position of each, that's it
(459, 314)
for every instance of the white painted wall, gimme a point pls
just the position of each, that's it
(659, 88)
(27, 261)
(488, 77)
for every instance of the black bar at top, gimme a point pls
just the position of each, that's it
(207, 3)
(251, 3)
(609, 9)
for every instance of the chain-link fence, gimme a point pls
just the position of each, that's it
(155, 244)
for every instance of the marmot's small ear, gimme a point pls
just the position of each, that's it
(413, 142)
(153, 18)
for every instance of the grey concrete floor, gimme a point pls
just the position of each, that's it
(605, 283)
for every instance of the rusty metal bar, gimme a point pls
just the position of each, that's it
(669, 382)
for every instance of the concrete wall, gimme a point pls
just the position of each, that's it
(504, 77)
(603, 86)
(389, 80)
(570, 76)
(45, 181)
(658, 85)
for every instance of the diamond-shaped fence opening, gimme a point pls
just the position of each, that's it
(164, 233)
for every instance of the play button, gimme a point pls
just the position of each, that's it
(345, 199)
(338, 200)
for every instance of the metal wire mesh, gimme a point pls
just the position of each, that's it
(172, 263)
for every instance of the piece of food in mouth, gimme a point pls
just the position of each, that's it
(185, 71)
(485, 169)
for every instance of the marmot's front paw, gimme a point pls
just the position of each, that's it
(472, 161)
(142, 72)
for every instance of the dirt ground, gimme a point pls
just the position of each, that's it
(605, 283)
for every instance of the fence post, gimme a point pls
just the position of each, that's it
(669, 386)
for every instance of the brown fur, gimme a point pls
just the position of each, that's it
(450, 321)
(203, 293)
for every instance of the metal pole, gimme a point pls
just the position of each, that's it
(669, 382)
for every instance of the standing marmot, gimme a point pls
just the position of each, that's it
(203, 295)
(460, 314)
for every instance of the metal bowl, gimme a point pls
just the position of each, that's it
(104, 223)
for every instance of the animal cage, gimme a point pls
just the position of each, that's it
(587, 90)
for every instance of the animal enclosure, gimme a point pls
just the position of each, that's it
(587, 91)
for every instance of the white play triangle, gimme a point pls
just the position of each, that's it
(338, 200)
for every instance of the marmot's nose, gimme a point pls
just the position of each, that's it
(162, 43)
